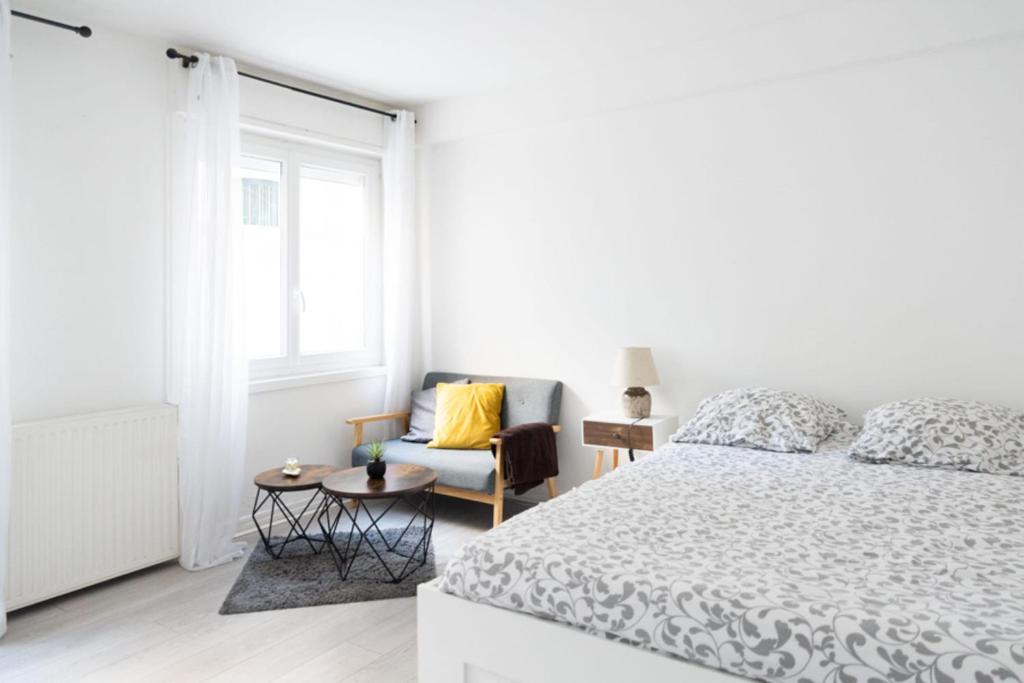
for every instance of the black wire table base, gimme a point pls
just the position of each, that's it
(297, 531)
(345, 553)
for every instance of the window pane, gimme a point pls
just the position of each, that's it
(332, 216)
(261, 227)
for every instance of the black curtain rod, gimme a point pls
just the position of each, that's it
(189, 60)
(83, 31)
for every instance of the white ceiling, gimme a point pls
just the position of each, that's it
(415, 51)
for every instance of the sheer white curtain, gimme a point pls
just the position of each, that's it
(401, 299)
(6, 139)
(208, 376)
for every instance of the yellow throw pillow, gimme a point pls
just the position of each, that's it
(467, 415)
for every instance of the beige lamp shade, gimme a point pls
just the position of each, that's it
(634, 367)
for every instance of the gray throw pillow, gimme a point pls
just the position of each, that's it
(942, 432)
(421, 422)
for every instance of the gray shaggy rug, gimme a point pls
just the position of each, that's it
(302, 579)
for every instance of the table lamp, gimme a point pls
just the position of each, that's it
(634, 369)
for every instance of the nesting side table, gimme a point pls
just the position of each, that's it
(269, 487)
(411, 485)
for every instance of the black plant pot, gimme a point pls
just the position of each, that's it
(375, 469)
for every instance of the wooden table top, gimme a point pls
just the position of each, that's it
(310, 478)
(399, 479)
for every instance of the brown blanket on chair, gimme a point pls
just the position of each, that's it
(529, 455)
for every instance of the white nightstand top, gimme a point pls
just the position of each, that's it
(616, 417)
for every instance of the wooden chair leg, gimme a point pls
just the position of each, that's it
(499, 486)
(499, 508)
(552, 489)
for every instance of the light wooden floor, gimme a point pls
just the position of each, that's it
(161, 624)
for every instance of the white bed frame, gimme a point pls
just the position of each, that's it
(460, 641)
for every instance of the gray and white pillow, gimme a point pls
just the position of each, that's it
(421, 419)
(763, 418)
(943, 432)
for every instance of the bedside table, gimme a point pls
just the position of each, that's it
(612, 430)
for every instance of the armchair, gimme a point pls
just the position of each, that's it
(471, 475)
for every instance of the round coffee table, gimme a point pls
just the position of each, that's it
(411, 485)
(269, 487)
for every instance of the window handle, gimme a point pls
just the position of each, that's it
(302, 300)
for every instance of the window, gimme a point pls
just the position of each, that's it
(311, 226)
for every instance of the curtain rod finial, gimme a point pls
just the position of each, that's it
(186, 60)
(83, 31)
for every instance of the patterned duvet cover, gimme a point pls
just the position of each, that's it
(775, 566)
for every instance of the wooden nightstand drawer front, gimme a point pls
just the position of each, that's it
(618, 435)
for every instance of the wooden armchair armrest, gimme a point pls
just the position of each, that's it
(555, 428)
(358, 422)
(400, 415)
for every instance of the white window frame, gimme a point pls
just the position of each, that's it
(293, 155)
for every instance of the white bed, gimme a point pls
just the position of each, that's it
(702, 563)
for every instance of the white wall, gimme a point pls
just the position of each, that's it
(89, 239)
(848, 224)
(795, 206)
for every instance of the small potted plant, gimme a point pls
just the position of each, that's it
(376, 467)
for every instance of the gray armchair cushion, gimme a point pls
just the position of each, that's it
(472, 470)
(526, 399)
(424, 409)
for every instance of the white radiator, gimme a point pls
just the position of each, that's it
(92, 497)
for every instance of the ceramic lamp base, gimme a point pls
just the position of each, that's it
(636, 402)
